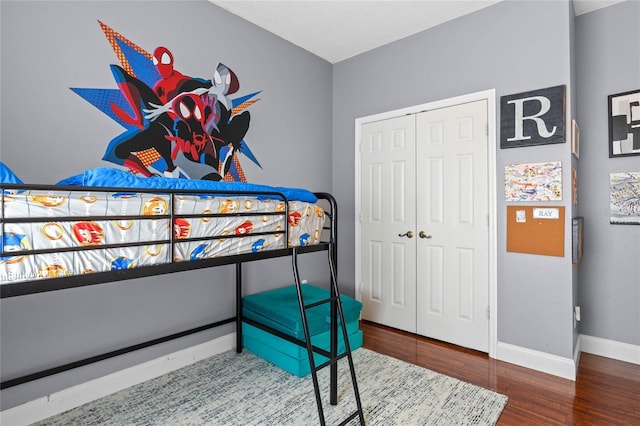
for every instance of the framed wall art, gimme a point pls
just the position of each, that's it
(574, 185)
(624, 124)
(577, 227)
(533, 182)
(575, 139)
(624, 198)
(533, 118)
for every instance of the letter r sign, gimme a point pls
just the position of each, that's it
(533, 118)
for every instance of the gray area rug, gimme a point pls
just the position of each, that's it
(243, 389)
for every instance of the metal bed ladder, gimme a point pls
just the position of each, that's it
(336, 313)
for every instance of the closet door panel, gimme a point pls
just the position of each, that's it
(452, 288)
(388, 269)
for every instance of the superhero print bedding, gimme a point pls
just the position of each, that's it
(108, 220)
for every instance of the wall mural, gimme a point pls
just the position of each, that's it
(175, 125)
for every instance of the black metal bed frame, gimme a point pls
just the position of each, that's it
(328, 244)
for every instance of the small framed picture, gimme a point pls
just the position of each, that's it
(624, 124)
(577, 226)
(575, 139)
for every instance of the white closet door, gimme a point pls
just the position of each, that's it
(388, 271)
(452, 212)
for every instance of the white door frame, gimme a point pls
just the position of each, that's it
(490, 97)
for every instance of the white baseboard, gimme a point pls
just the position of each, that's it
(610, 348)
(541, 361)
(83, 393)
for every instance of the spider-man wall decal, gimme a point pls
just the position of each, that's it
(175, 125)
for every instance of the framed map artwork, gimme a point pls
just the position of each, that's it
(533, 182)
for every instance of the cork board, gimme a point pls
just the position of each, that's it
(536, 230)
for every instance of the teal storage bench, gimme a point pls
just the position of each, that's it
(279, 310)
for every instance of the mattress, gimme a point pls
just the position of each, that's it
(262, 230)
(84, 231)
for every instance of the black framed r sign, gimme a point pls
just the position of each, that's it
(533, 118)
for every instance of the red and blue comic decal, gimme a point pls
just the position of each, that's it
(175, 125)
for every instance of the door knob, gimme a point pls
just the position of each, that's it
(421, 234)
(407, 234)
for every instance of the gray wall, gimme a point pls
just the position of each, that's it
(512, 47)
(48, 133)
(607, 62)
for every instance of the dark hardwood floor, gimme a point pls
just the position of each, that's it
(606, 392)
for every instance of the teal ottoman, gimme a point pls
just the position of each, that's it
(279, 309)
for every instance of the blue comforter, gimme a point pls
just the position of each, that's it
(110, 177)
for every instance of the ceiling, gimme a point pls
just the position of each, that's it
(340, 29)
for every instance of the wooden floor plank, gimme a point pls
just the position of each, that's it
(606, 391)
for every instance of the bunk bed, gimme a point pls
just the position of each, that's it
(108, 225)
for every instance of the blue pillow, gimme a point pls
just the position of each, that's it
(111, 177)
(7, 176)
